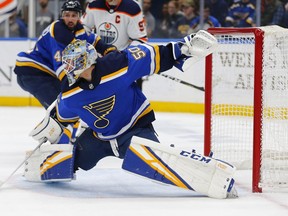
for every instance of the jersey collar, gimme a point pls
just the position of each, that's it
(112, 8)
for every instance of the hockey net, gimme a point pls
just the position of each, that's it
(246, 102)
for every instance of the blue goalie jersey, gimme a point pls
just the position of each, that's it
(112, 102)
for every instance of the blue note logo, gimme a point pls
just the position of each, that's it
(100, 109)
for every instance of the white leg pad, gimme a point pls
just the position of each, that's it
(178, 167)
(50, 163)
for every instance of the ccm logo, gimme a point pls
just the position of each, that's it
(195, 156)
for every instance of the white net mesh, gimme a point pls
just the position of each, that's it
(274, 170)
(233, 102)
(232, 99)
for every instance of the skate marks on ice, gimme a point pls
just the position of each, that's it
(102, 183)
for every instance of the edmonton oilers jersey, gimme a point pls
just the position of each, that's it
(112, 103)
(116, 25)
(46, 54)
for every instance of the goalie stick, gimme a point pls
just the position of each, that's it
(42, 141)
(183, 82)
(20, 165)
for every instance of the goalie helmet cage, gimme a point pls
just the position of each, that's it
(246, 103)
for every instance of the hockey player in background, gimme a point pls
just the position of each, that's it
(7, 8)
(103, 93)
(39, 71)
(117, 22)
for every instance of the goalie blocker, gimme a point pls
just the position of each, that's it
(146, 158)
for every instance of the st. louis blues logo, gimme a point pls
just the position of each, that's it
(100, 109)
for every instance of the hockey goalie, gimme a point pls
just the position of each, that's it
(103, 93)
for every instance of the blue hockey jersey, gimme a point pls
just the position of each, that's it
(112, 102)
(46, 54)
(241, 14)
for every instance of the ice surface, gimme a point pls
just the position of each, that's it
(108, 190)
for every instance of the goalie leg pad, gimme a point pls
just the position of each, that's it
(178, 167)
(51, 163)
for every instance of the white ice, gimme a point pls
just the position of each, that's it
(108, 190)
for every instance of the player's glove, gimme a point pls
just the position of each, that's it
(199, 45)
(48, 129)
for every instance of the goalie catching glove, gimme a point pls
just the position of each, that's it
(195, 47)
(199, 45)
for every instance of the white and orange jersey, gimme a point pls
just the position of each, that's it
(117, 25)
(6, 8)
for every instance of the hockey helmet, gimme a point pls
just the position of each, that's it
(77, 57)
(71, 5)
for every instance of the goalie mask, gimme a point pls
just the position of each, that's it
(77, 57)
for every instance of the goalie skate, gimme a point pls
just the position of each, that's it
(232, 194)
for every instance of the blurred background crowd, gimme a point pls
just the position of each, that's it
(164, 18)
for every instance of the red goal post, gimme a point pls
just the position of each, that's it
(246, 102)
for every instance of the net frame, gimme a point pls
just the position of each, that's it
(259, 34)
